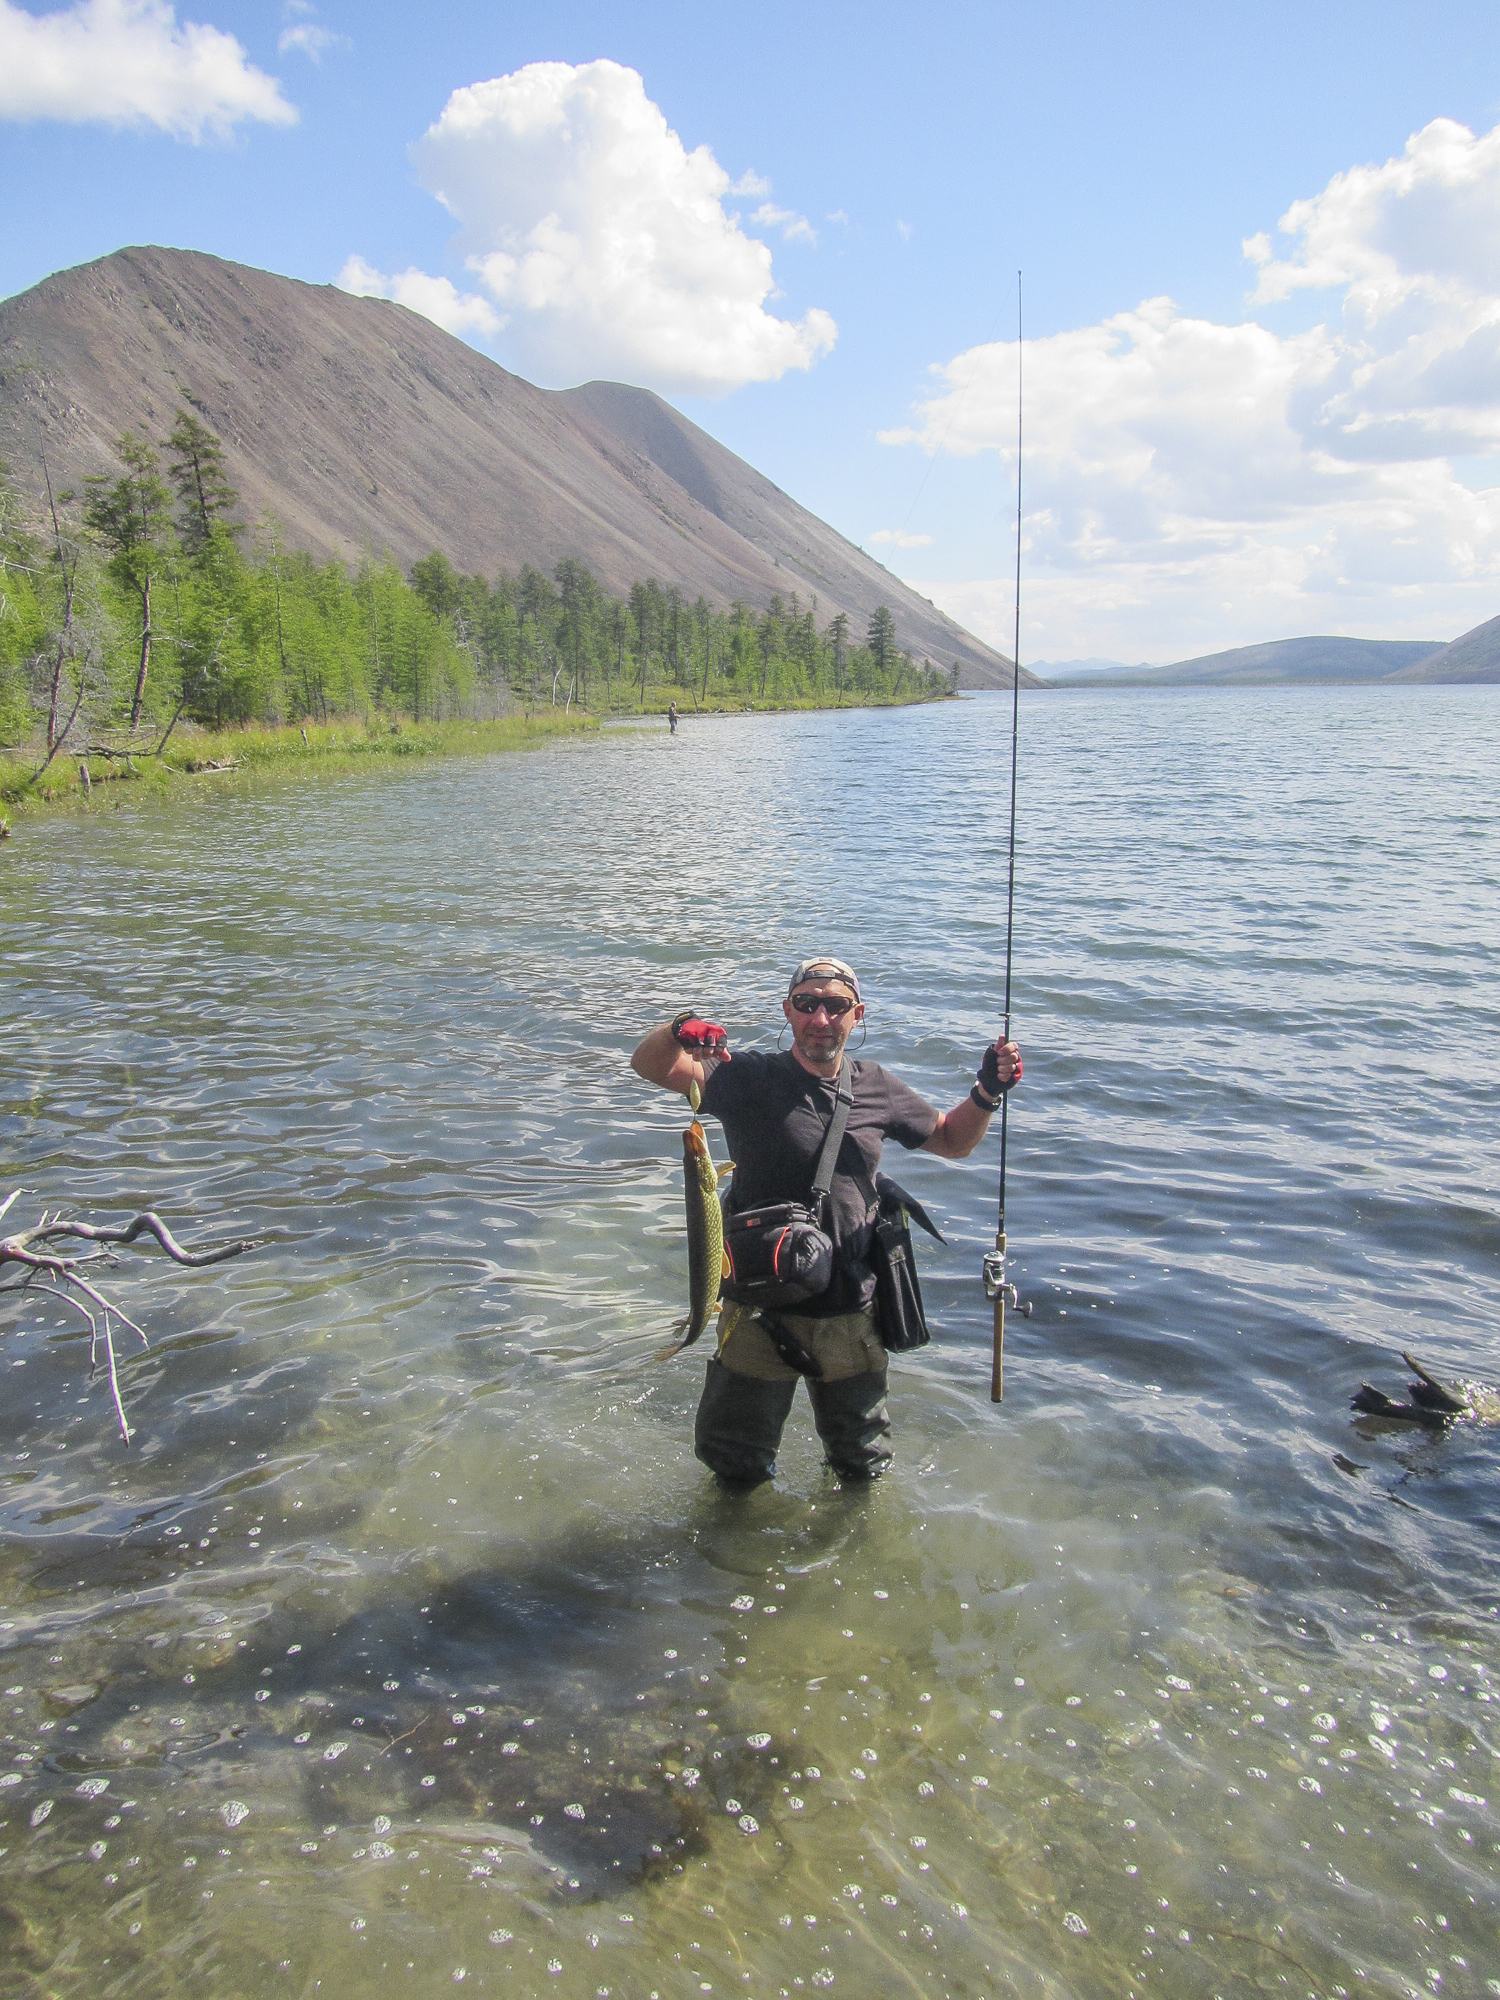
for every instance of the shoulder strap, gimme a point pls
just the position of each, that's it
(834, 1138)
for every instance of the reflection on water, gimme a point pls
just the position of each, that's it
(408, 1644)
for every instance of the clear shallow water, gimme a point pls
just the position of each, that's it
(1163, 1677)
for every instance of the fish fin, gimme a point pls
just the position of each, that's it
(666, 1353)
(727, 1168)
(728, 1268)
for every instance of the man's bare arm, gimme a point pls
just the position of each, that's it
(960, 1130)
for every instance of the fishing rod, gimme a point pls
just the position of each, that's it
(996, 1286)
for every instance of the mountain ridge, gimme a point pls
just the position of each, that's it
(359, 424)
(1473, 658)
(1319, 661)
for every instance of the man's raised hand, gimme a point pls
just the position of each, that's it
(702, 1038)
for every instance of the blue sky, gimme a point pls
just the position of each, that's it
(1300, 439)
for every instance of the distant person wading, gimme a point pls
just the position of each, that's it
(777, 1109)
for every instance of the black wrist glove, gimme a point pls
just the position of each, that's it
(989, 1075)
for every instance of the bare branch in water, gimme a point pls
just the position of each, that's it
(149, 1224)
(64, 1275)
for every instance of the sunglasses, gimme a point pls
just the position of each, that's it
(835, 1005)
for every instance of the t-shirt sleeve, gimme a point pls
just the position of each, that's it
(908, 1118)
(727, 1081)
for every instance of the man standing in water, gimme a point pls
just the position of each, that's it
(776, 1109)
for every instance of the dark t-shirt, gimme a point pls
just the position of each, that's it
(775, 1116)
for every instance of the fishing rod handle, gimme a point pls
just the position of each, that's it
(994, 1264)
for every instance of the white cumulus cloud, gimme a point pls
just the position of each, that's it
(437, 299)
(604, 240)
(1192, 485)
(128, 62)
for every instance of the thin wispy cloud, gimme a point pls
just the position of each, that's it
(898, 538)
(130, 63)
(308, 39)
(598, 241)
(1297, 480)
(794, 228)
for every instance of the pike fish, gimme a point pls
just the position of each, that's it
(705, 1234)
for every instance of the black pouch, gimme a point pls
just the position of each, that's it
(778, 1255)
(900, 1319)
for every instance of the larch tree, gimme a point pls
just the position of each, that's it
(196, 470)
(838, 632)
(880, 636)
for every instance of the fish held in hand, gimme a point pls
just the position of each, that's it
(705, 1233)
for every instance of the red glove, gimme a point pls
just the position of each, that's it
(704, 1038)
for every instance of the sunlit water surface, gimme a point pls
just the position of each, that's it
(408, 1645)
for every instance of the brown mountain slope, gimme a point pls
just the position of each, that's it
(360, 424)
(1473, 656)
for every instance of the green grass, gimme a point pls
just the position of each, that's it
(349, 743)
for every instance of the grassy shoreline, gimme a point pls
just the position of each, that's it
(215, 757)
(197, 757)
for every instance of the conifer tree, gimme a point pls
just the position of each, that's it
(881, 637)
(196, 470)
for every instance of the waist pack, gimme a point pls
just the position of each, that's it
(781, 1254)
(778, 1255)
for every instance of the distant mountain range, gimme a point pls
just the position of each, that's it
(1302, 663)
(1055, 672)
(360, 425)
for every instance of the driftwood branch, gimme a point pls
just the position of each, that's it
(27, 1251)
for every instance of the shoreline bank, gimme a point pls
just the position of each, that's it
(106, 773)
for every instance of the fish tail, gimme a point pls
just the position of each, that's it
(684, 1339)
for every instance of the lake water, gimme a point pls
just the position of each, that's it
(407, 1645)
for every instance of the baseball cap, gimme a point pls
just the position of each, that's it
(825, 966)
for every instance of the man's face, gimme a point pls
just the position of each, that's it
(820, 1035)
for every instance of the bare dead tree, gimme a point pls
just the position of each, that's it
(62, 1273)
(66, 558)
(90, 683)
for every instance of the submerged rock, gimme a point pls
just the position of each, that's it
(69, 1699)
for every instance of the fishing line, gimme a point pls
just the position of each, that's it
(997, 1289)
(1015, 732)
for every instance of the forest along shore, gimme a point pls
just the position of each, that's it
(143, 609)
